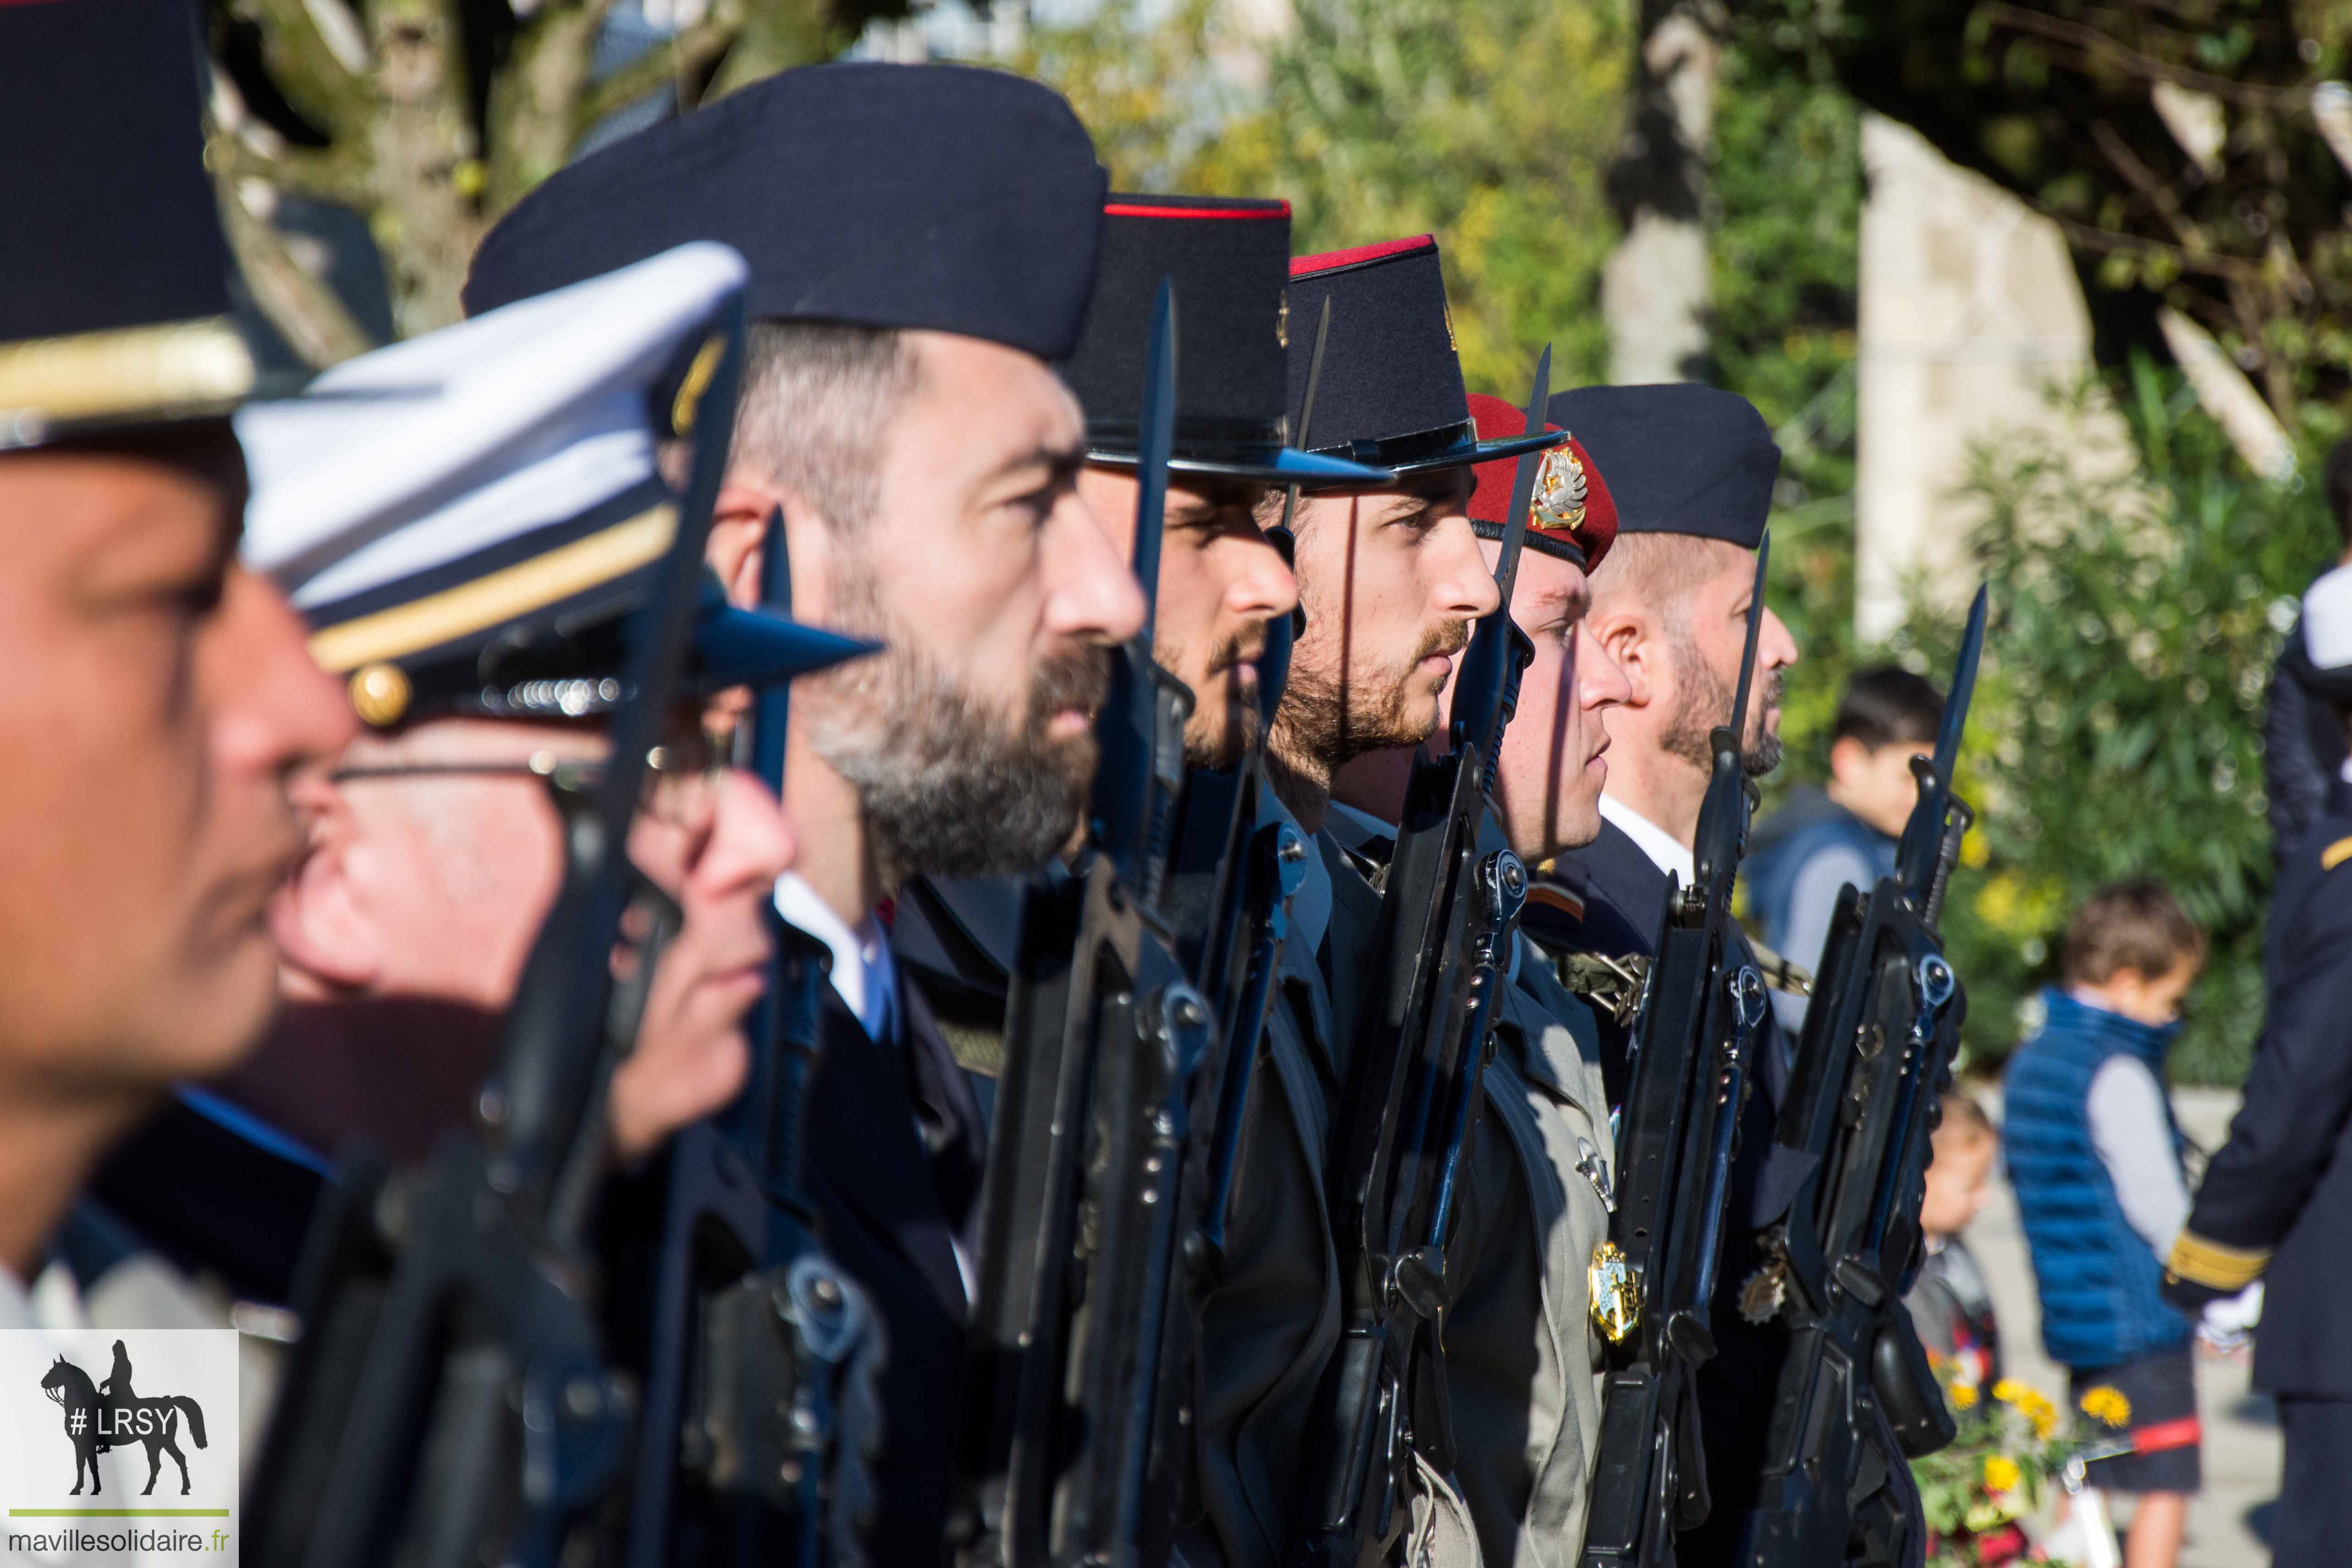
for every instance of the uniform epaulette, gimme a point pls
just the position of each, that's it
(2336, 854)
(2213, 1265)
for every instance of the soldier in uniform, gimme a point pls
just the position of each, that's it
(467, 560)
(1692, 470)
(160, 695)
(1391, 582)
(1521, 1345)
(921, 241)
(1221, 579)
(2276, 1201)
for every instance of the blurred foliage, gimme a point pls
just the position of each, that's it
(2116, 730)
(1487, 126)
(1785, 173)
(2177, 143)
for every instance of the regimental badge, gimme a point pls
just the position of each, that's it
(1616, 1295)
(1761, 1294)
(1559, 491)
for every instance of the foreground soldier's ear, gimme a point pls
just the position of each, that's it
(327, 940)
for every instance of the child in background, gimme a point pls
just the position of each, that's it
(1950, 1305)
(2095, 1157)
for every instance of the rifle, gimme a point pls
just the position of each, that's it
(450, 1401)
(761, 1370)
(1073, 1429)
(1687, 1076)
(1876, 1057)
(1410, 1106)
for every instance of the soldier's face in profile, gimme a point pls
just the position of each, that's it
(1552, 769)
(1392, 582)
(1712, 623)
(998, 596)
(160, 697)
(1221, 580)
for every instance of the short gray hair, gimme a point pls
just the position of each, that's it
(817, 398)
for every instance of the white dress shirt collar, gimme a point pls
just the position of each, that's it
(1654, 841)
(863, 973)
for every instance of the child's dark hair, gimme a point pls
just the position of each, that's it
(2336, 483)
(2136, 926)
(1887, 705)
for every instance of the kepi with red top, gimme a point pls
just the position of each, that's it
(1228, 260)
(1573, 516)
(1392, 393)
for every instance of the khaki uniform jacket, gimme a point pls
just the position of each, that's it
(1521, 1356)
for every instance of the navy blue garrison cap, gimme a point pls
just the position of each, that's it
(1680, 458)
(872, 194)
(1228, 261)
(1392, 393)
(113, 275)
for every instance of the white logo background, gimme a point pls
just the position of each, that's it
(42, 1521)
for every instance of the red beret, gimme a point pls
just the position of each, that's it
(1573, 517)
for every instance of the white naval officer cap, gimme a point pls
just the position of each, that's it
(468, 518)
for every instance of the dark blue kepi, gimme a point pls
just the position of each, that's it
(1680, 458)
(1228, 260)
(940, 197)
(1391, 395)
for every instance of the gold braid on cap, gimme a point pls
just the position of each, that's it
(180, 371)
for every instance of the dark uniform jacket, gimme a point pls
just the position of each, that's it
(2277, 1200)
(892, 1166)
(2303, 750)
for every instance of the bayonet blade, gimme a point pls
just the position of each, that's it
(1158, 440)
(1523, 485)
(1748, 653)
(1306, 403)
(1964, 686)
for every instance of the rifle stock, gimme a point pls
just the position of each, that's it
(1875, 1055)
(1692, 1062)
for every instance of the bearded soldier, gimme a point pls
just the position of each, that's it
(921, 242)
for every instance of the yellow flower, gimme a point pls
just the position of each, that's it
(1964, 1396)
(2108, 1404)
(2000, 1473)
(2009, 1391)
(2045, 1421)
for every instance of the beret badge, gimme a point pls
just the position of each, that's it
(1560, 490)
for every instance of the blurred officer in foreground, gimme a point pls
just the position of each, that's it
(160, 694)
(469, 560)
(1221, 579)
(921, 242)
(1519, 1341)
(2276, 1203)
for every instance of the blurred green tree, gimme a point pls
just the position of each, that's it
(2135, 613)
(431, 118)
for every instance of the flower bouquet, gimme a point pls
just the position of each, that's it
(2009, 1451)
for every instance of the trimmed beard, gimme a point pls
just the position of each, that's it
(1313, 724)
(1703, 700)
(951, 786)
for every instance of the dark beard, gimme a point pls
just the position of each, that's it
(1705, 700)
(948, 790)
(1243, 720)
(1313, 725)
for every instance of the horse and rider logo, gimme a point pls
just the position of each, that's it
(112, 1414)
